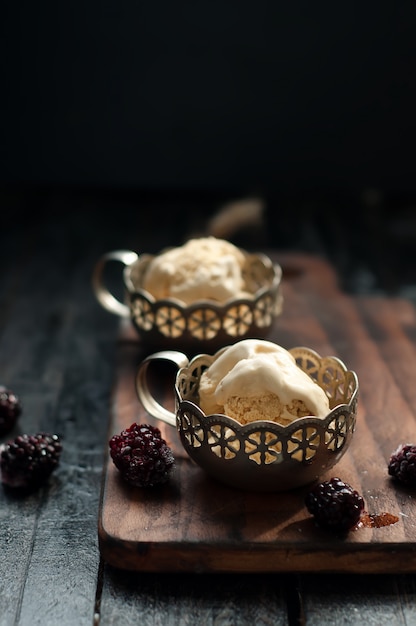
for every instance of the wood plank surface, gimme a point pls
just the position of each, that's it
(57, 354)
(195, 524)
(57, 350)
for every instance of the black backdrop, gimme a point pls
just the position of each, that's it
(188, 94)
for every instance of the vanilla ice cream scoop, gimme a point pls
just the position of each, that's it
(204, 268)
(258, 380)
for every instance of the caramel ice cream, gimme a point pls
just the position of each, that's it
(258, 380)
(204, 268)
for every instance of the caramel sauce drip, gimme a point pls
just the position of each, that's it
(373, 520)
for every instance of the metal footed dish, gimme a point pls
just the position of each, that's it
(262, 455)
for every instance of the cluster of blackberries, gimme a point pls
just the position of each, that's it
(139, 452)
(142, 455)
(26, 461)
(10, 409)
(402, 464)
(335, 505)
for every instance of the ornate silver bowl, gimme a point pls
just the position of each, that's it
(202, 325)
(262, 455)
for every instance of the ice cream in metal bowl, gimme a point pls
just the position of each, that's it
(203, 295)
(256, 416)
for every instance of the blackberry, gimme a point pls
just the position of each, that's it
(10, 409)
(402, 464)
(27, 461)
(335, 505)
(142, 456)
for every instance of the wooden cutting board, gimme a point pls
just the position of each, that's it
(195, 524)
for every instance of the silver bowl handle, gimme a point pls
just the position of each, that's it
(152, 406)
(102, 293)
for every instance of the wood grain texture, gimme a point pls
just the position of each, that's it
(57, 353)
(195, 524)
(57, 349)
(131, 597)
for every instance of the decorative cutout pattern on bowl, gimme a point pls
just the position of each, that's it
(265, 455)
(207, 321)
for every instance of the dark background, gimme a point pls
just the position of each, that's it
(179, 106)
(210, 95)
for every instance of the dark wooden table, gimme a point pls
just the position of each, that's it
(58, 352)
